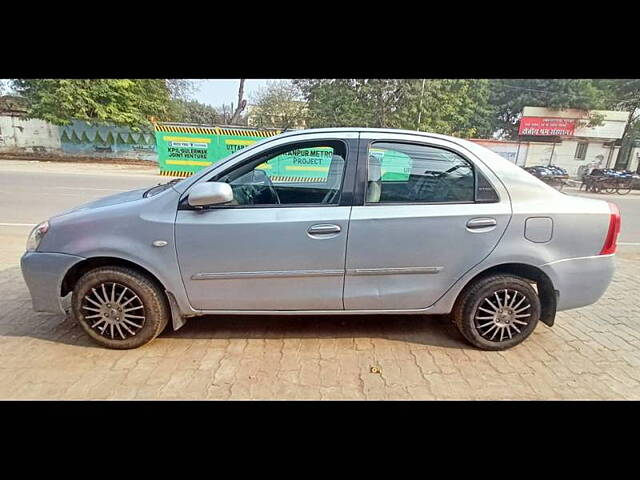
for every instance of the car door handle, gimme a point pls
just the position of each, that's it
(324, 229)
(481, 223)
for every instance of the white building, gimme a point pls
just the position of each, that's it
(563, 138)
(19, 134)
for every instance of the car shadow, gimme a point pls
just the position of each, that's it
(19, 320)
(434, 330)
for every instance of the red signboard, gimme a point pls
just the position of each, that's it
(544, 126)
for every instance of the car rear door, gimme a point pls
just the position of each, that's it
(428, 212)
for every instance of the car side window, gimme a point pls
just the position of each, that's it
(299, 174)
(409, 173)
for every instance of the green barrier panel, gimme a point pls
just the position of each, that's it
(186, 149)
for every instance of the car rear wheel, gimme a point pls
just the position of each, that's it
(119, 308)
(497, 312)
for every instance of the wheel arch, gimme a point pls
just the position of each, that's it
(544, 286)
(80, 268)
(77, 270)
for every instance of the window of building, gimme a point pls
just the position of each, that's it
(581, 150)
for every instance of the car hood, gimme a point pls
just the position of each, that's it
(122, 197)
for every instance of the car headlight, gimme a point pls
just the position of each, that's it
(36, 236)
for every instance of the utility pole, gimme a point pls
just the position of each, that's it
(552, 150)
(623, 146)
(420, 107)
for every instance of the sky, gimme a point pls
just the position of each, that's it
(216, 92)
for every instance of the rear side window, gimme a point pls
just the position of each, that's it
(407, 173)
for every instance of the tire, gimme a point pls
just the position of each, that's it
(623, 190)
(136, 307)
(486, 333)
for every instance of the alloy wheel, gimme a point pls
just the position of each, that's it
(502, 315)
(113, 310)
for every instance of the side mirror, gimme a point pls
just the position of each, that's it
(210, 193)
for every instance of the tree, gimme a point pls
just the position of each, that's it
(278, 105)
(624, 95)
(128, 102)
(181, 89)
(192, 111)
(458, 107)
(242, 103)
(333, 102)
(4, 87)
(509, 97)
(454, 107)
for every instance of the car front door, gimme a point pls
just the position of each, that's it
(281, 243)
(428, 214)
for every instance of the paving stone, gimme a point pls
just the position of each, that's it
(591, 353)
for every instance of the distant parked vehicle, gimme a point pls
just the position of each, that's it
(606, 180)
(550, 174)
(558, 171)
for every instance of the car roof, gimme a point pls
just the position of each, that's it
(460, 141)
(367, 129)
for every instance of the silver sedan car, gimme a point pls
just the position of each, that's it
(329, 221)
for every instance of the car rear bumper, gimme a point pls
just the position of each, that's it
(43, 274)
(580, 281)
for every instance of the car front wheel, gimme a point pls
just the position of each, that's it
(119, 308)
(497, 312)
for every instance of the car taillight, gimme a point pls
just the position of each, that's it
(610, 242)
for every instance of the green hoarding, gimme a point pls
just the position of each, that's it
(186, 149)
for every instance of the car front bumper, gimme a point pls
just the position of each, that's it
(43, 274)
(580, 281)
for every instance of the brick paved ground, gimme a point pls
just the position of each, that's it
(591, 353)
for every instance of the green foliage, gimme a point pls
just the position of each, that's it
(279, 104)
(345, 102)
(127, 102)
(459, 107)
(181, 89)
(453, 107)
(620, 94)
(195, 112)
(624, 95)
(509, 97)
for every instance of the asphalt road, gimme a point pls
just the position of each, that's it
(31, 192)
